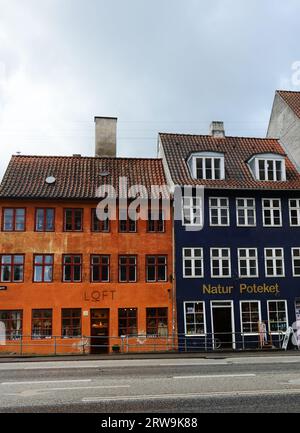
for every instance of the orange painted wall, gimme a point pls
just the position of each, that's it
(57, 295)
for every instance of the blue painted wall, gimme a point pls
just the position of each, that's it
(233, 237)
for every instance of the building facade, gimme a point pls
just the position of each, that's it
(71, 282)
(237, 240)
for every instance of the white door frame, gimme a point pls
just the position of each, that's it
(231, 306)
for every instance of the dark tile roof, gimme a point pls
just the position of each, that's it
(237, 151)
(292, 99)
(76, 177)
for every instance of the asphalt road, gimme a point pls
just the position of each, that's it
(241, 384)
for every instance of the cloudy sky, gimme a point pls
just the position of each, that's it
(159, 65)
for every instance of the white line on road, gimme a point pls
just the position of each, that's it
(214, 376)
(192, 395)
(34, 382)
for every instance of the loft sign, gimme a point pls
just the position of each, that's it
(209, 289)
(99, 295)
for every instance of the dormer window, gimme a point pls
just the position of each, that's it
(268, 167)
(207, 166)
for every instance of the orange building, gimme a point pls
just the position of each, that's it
(70, 282)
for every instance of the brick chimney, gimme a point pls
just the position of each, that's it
(106, 136)
(217, 129)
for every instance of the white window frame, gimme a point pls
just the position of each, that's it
(219, 207)
(192, 208)
(268, 312)
(192, 258)
(245, 208)
(274, 258)
(220, 258)
(268, 157)
(204, 318)
(293, 261)
(192, 163)
(241, 315)
(247, 258)
(297, 209)
(271, 209)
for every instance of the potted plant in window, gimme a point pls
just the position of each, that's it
(116, 348)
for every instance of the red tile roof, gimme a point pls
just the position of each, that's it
(76, 177)
(292, 99)
(237, 151)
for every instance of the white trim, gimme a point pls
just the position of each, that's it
(268, 313)
(192, 258)
(191, 208)
(248, 334)
(192, 164)
(297, 209)
(247, 258)
(273, 258)
(246, 208)
(268, 157)
(230, 305)
(293, 258)
(271, 208)
(204, 318)
(220, 258)
(219, 207)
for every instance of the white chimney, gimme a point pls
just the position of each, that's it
(106, 136)
(217, 129)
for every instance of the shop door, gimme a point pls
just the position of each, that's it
(223, 336)
(100, 330)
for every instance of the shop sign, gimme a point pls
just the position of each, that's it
(219, 289)
(99, 295)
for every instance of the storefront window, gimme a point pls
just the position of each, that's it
(127, 321)
(157, 322)
(250, 316)
(12, 320)
(194, 318)
(277, 314)
(71, 322)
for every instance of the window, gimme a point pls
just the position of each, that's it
(271, 212)
(71, 322)
(193, 262)
(127, 321)
(99, 225)
(270, 169)
(207, 166)
(126, 224)
(43, 268)
(127, 269)
(277, 315)
(194, 313)
(219, 211)
(41, 324)
(155, 223)
(248, 266)
(72, 268)
(245, 212)
(250, 316)
(13, 322)
(13, 220)
(274, 262)
(220, 262)
(73, 220)
(157, 322)
(99, 268)
(192, 211)
(296, 261)
(12, 268)
(294, 208)
(44, 220)
(156, 268)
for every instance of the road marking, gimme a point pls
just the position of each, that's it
(34, 382)
(37, 392)
(193, 363)
(214, 376)
(192, 395)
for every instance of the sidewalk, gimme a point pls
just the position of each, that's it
(162, 355)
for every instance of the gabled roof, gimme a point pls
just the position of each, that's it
(76, 177)
(237, 151)
(292, 99)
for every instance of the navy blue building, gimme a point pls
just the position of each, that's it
(237, 239)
